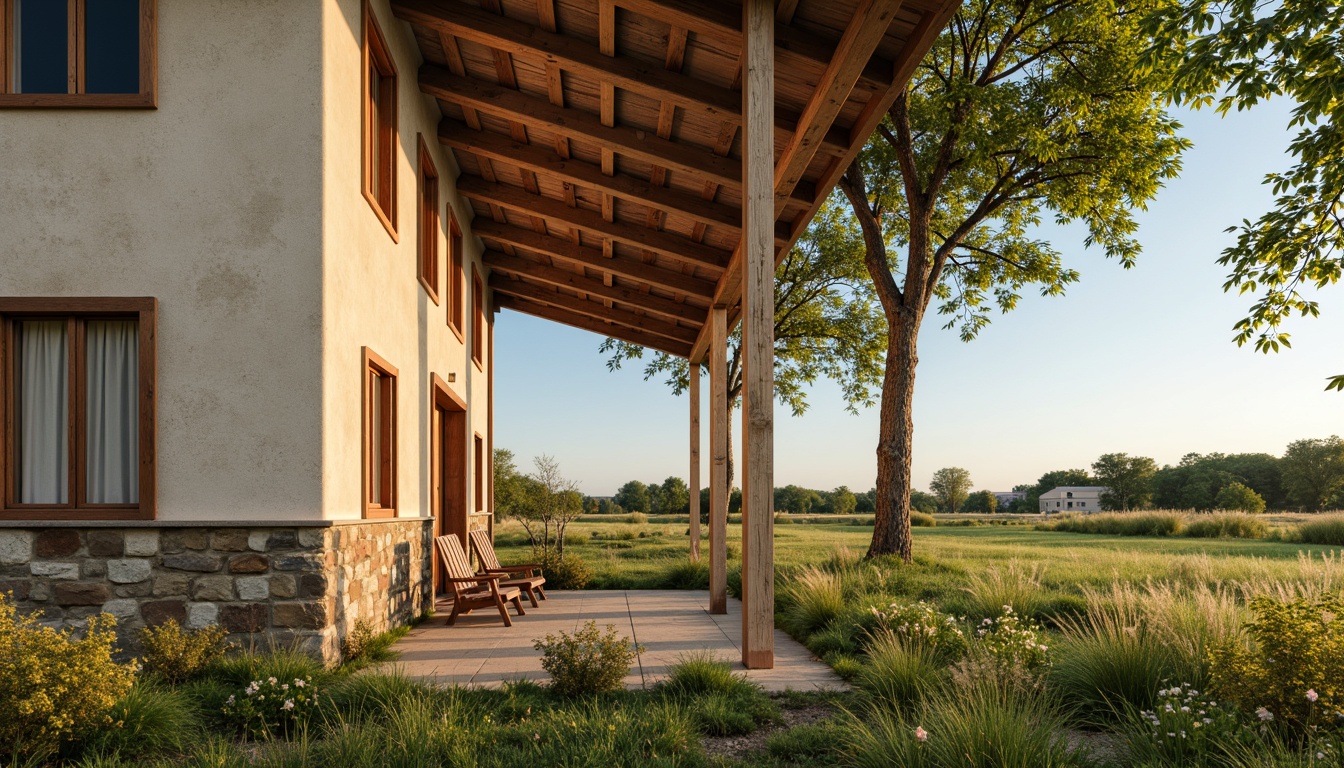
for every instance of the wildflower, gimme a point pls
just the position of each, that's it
(299, 683)
(1264, 714)
(921, 735)
(229, 703)
(271, 680)
(1312, 695)
(288, 705)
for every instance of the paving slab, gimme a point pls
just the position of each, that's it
(479, 651)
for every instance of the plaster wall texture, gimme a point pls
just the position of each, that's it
(370, 295)
(212, 204)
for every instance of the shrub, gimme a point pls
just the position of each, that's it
(1294, 671)
(177, 655)
(811, 601)
(148, 720)
(1228, 525)
(847, 667)
(700, 673)
(982, 727)
(1239, 498)
(922, 519)
(587, 661)
(920, 625)
(1186, 728)
(899, 672)
(1012, 586)
(568, 572)
(1327, 529)
(1013, 642)
(1120, 523)
(359, 640)
(52, 685)
(272, 707)
(687, 574)
(637, 518)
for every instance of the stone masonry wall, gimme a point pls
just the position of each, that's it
(301, 586)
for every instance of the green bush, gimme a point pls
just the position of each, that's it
(1186, 728)
(722, 703)
(812, 599)
(148, 720)
(814, 744)
(587, 661)
(981, 727)
(272, 707)
(898, 672)
(847, 667)
(1239, 498)
(54, 687)
(177, 655)
(1327, 529)
(922, 519)
(1227, 525)
(568, 572)
(687, 574)
(698, 674)
(1293, 672)
(837, 638)
(921, 626)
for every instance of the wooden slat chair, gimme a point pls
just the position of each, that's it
(530, 582)
(488, 592)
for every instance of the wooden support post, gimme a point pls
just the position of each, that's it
(758, 335)
(694, 373)
(718, 460)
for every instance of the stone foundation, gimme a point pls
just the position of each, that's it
(297, 585)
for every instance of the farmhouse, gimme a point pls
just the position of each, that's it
(1073, 498)
(252, 253)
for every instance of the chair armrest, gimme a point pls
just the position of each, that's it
(477, 579)
(515, 568)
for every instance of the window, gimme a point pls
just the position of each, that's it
(478, 319)
(379, 436)
(455, 308)
(77, 404)
(1082, 503)
(480, 473)
(1070, 505)
(1068, 494)
(77, 53)
(428, 222)
(380, 125)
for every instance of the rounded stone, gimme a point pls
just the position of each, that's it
(127, 571)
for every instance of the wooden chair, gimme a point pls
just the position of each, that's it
(532, 580)
(488, 592)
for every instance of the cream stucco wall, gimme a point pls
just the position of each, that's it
(212, 204)
(371, 296)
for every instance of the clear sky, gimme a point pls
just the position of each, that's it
(1138, 360)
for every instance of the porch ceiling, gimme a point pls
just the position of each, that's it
(600, 141)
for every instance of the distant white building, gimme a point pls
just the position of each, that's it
(1073, 498)
(1008, 497)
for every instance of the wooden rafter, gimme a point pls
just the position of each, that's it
(584, 322)
(614, 314)
(592, 258)
(562, 278)
(664, 244)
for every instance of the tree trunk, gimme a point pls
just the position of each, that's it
(896, 429)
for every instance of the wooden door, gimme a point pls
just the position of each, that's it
(448, 470)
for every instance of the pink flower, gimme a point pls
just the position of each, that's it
(1312, 695)
(1264, 714)
(289, 704)
(921, 735)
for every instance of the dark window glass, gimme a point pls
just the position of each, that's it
(41, 55)
(112, 46)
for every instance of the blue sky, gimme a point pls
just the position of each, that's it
(1136, 360)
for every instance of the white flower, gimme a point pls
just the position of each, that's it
(921, 735)
(288, 705)
(1264, 714)
(272, 680)
(299, 683)
(1312, 695)
(229, 703)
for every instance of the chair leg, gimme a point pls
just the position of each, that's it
(452, 617)
(542, 592)
(518, 604)
(503, 612)
(531, 596)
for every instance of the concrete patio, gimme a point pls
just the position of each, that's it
(480, 651)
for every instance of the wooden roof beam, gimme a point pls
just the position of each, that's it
(519, 38)
(666, 244)
(564, 278)
(583, 322)
(582, 255)
(791, 44)
(545, 295)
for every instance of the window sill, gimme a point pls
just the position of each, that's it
(379, 513)
(433, 294)
(382, 216)
(77, 513)
(78, 101)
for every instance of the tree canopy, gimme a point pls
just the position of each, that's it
(951, 486)
(1128, 480)
(1313, 472)
(1235, 54)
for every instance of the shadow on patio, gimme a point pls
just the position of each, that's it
(480, 651)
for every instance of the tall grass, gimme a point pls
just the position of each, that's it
(982, 727)
(897, 673)
(1120, 523)
(1327, 529)
(1226, 525)
(813, 599)
(1016, 584)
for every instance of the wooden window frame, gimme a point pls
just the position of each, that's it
(478, 464)
(427, 220)
(78, 310)
(147, 98)
(477, 319)
(376, 365)
(456, 276)
(375, 52)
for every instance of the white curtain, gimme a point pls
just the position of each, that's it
(113, 475)
(43, 379)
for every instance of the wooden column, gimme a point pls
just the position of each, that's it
(694, 374)
(718, 460)
(758, 334)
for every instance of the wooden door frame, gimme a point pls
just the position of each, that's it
(448, 450)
